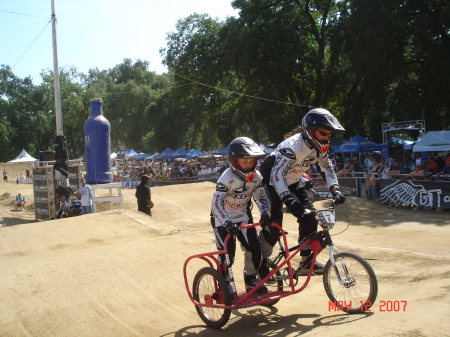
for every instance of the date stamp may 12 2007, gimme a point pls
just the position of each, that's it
(384, 306)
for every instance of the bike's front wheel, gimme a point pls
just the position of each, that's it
(209, 289)
(352, 285)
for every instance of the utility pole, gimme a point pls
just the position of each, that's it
(61, 157)
(59, 127)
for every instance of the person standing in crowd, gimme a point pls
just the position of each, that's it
(86, 197)
(283, 169)
(418, 159)
(143, 195)
(434, 168)
(348, 168)
(446, 169)
(417, 173)
(396, 169)
(230, 209)
(384, 170)
(367, 162)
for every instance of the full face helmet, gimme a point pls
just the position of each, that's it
(246, 148)
(319, 119)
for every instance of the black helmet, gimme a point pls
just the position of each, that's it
(319, 119)
(246, 148)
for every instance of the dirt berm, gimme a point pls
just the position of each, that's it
(119, 272)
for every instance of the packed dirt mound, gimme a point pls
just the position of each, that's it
(119, 272)
(6, 196)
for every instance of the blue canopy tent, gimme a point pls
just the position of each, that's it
(221, 152)
(178, 153)
(195, 153)
(357, 144)
(164, 153)
(130, 153)
(142, 156)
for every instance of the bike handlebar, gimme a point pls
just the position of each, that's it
(333, 206)
(307, 211)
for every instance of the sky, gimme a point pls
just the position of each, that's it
(93, 33)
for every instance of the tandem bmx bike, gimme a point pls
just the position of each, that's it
(349, 280)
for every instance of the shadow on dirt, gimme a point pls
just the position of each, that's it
(8, 221)
(262, 321)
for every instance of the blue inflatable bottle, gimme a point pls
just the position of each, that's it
(97, 145)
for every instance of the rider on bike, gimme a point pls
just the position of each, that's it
(231, 208)
(283, 169)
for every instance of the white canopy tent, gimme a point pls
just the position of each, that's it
(433, 141)
(23, 157)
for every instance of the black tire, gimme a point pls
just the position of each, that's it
(209, 285)
(360, 290)
(279, 288)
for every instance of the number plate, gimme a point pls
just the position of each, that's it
(327, 218)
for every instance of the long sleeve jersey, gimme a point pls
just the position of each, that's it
(293, 157)
(232, 195)
(63, 207)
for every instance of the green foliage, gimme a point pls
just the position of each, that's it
(256, 75)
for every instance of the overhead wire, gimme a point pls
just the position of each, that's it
(31, 44)
(241, 94)
(35, 16)
(184, 77)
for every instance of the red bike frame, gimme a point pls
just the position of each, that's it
(251, 298)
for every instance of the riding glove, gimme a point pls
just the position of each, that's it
(338, 197)
(294, 206)
(265, 221)
(231, 227)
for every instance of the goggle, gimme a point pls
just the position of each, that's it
(323, 133)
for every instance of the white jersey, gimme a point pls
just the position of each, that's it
(63, 207)
(293, 157)
(232, 195)
(86, 195)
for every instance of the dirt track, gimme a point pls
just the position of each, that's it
(119, 272)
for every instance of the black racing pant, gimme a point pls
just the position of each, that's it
(307, 224)
(248, 239)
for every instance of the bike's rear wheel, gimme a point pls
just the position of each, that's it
(360, 287)
(210, 288)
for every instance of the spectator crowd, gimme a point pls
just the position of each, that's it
(373, 168)
(168, 169)
(436, 168)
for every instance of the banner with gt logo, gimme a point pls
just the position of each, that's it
(412, 192)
